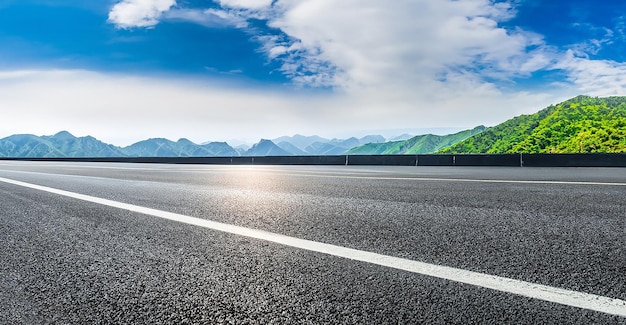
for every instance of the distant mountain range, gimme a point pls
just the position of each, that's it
(421, 144)
(64, 144)
(315, 145)
(159, 147)
(581, 124)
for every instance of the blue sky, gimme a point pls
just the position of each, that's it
(126, 70)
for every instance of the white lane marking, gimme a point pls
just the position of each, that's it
(433, 179)
(538, 291)
(346, 175)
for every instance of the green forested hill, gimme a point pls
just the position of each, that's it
(420, 144)
(581, 124)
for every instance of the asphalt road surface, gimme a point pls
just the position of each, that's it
(102, 243)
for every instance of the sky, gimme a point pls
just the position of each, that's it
(127, 70)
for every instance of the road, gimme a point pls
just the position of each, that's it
(203, 244)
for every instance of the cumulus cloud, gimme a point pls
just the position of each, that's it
(246, 4)
(357, 44)
(207, 17)
(410, 49)
(139, 13)
(410, 46)
(596, 77)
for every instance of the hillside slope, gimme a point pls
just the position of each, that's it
(88, 146)
(421, 144)
(316, 145)
(266, 148)
(62, 144)
(581, 124)
(28, 145)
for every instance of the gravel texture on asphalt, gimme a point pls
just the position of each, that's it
(65, 261)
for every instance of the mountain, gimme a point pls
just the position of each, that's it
(28, 145)
(401, 137)
(220, 149)
(266, 148)
(292, 149)
(372, 139)
(320, 148)
(159, 147)
(88, 146)
(62, 144)
(580, 124)
(421, 144)
(300, 141)
(316, 145)
(376, 148)
(341, 146)
(241, 150)
(345, 143)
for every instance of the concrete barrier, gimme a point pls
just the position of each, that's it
(382, 160)
(523, 160)
(300, 160)
(360, 160)
(241, 160)
(435, 160)
(504, 160)
(574, 160)
(203, 160)
(332, 160)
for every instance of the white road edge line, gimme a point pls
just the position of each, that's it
(469, 180)
(537, 291)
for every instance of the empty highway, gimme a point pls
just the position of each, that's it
(102, 243)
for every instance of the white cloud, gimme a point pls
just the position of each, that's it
(412, 49)
(246, 4)
(405, 48)
(139, 13)
(123, 109)
(357, 45)
(363, 44)
(594, 77)
(207, 17)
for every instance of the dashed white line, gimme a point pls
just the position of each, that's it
(538, 291)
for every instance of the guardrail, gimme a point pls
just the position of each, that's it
(510, 160)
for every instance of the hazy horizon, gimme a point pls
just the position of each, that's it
(234, 142)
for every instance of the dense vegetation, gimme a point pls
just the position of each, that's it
(421, 144)
(581, 124)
